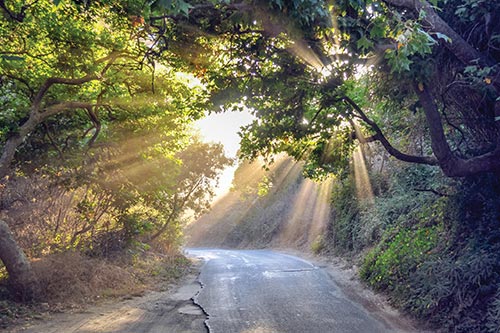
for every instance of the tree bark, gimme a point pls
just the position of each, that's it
(22, 280)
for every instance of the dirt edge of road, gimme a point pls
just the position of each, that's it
(169, 310)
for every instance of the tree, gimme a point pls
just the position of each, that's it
(300, 67)
(22, 280)
(199, 171)
(74, 77)
(53, 61)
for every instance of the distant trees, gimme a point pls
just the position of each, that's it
(201, 164)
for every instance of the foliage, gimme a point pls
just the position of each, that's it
(104, 215)
(494, 315)
(389, 268)
(432, 244)
(343, 231)
(120, 165)
(318, 245)
(303, 79)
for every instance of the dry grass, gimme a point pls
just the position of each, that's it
(74, 281)
(72, 277)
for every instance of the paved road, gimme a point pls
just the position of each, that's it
(267, 291)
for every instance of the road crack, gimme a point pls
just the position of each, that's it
(194, 299)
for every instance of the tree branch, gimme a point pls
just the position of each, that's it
(19, 17)
(37, 115)
(52, 142)
(379, 136)
(33, 121)
(73, 81)
(97, 125)
(176, 210)
(432, 191)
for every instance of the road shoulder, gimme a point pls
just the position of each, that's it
(170, 310)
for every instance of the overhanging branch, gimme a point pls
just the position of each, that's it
(33, 121)
(379, 136)
(465, 52)
(110, 59)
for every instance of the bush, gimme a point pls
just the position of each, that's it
(343, 231)
(432, 244)
(455, 293)
(392, 263)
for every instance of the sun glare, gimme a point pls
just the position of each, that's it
(189, 80)
(224, 127)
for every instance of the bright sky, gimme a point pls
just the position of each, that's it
(223, 128)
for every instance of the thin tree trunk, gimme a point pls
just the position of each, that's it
(22, 280)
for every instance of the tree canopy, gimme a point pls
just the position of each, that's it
(312, 71)
(310, 74)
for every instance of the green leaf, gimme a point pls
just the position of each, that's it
(443, 37)
(378, 29)
(364, 43)
(184, 7)
(163, 4)
(12, 58)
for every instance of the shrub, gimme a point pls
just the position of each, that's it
(393, 261)
(441, 260)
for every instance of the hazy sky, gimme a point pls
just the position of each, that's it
(223, 128)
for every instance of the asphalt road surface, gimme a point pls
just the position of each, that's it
(267, 291)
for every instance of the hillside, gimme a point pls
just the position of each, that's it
(293, 213)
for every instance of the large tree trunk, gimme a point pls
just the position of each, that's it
(22, 280)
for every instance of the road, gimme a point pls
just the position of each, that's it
(238, 292)
(267, 291)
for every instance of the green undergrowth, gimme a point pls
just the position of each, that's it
(435, 252)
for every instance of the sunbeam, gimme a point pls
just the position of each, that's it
(303, 51)
(308, 214)
(364, 189)
(294, 212)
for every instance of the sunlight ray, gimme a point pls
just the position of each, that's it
(364, 189)
(322, 210)
(303, 51)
